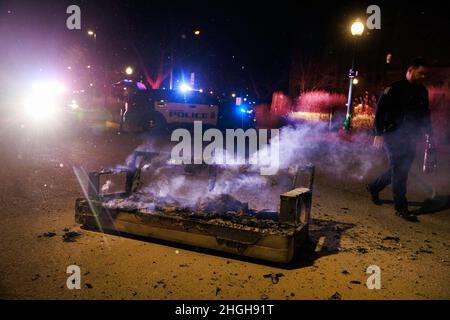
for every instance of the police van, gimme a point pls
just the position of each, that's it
(158, 110)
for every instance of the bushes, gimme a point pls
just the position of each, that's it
(323, 106)
(319, 101)
(318, 106)
(273, 116)
(363, 114)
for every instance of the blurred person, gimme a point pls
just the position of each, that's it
(402, 117)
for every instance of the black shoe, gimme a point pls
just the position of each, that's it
(374, 195)
(407, 215)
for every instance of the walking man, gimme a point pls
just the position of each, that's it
(402, 117)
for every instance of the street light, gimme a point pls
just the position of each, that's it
(357, 29)
(129, 71)
(197, 32)
(92, 34)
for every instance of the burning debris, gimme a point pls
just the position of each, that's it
(223, 209)
(210, 205)
(222, 203)
(181, 209)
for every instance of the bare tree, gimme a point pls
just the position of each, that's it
(311, 75)
(161, 74)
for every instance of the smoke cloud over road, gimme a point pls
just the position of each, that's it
(299, 145)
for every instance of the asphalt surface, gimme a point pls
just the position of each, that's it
(348, 234)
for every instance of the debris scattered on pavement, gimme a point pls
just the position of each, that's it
(275, 277)
(88, 286)
(161, 284)
(389, 238)
(423, 250)
(336, 296)
(218, 291)
(71, 236)
(355, 282)
(383, 248)
(361, 250)
(345, 272)
(48, 235)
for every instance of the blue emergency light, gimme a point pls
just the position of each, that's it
(185, 88)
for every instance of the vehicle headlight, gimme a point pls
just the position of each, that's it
(40, 108)
(74, 104)
(42, 102)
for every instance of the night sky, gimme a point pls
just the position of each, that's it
(249, 46)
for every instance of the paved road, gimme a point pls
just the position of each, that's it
(348, 234)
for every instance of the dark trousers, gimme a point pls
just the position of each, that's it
(400, 153)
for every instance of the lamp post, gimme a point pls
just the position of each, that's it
(106, 92)
(93, 34)
(357, 30)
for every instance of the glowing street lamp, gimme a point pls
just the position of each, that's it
(197, 32)
(357, 29)
(91, 33)
(129, 71)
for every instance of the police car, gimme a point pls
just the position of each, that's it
(157, 110)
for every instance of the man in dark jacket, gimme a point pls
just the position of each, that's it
(402, 117)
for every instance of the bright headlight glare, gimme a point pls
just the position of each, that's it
(42, 102)
(40, 108)
(53, 88)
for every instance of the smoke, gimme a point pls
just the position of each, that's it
(188, 186)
